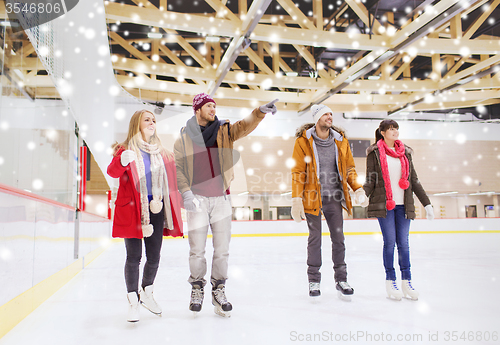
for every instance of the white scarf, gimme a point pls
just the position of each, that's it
(159, 184)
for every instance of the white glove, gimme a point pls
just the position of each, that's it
(189, 201)
(269, 107)
(298, 210)
(360, 197)
(127, 157)
(429, 212)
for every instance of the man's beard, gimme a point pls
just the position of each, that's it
(325, 127)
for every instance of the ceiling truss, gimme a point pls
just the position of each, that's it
(358, 56)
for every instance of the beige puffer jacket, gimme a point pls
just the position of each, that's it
(227, 134)
(305, 173)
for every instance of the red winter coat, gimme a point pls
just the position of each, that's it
(127, 219)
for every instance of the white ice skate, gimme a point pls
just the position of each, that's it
(133, 307)
(392, 290)
(345, 291)
(408, 291)
(221, 306)
(147, 300)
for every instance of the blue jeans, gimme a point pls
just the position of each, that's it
(395, 230)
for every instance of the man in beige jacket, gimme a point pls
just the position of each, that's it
(204, 158)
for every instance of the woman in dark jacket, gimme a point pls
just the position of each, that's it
(147, 206)
(390, 183)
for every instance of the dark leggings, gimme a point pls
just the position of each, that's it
(134, 254)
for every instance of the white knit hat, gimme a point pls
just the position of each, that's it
(319, 110)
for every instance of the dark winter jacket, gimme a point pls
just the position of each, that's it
(375, 188)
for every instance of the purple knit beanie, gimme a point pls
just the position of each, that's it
(200, 100)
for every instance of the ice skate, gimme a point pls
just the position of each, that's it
(314, 290)
(147, 300)
(392, 290)
(197, 294)
(221, 306)
(133, 308)
(345, 291)
(408, 291)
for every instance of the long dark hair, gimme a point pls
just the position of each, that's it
(384, 125)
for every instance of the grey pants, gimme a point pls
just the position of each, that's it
(215, 212)
(332, 209)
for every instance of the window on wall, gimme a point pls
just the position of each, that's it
(470, 211)
(284, 213)
(489, 211)
(257, 214)
(358, 147)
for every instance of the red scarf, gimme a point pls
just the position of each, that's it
(384, 150)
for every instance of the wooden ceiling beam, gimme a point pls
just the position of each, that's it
(450, 80)
(131, 49)
(223, 11)
(288, 35)
(300, 18)
(471, 30)
(363, 14)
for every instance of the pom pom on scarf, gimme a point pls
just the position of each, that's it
(404, 184)
(155, 206)
(391, 205)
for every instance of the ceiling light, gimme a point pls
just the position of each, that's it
(373, 77)
(243, 193)
(292, 74)
(445, 193)
(212, 39)
(154, 35)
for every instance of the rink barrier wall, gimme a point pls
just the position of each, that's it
(363, 227)
(14, 311)
(39, 250)
(282, 228)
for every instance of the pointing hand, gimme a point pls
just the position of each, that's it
(269, 107)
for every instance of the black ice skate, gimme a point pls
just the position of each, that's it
(345, 291)
(221, 306)
(197, 294)
(314, 290)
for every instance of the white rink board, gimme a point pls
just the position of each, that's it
(365, 225)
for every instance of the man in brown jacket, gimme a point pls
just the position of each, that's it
(204, 158)
(324, 168)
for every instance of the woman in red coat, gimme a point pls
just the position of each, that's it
(147, 206)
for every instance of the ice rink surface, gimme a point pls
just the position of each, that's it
(457, 275)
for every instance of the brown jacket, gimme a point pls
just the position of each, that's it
(305, 173)
(226, 135)
(375, 188)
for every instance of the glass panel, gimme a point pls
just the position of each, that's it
(37, 137)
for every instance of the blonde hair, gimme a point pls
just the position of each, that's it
(134, 135)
